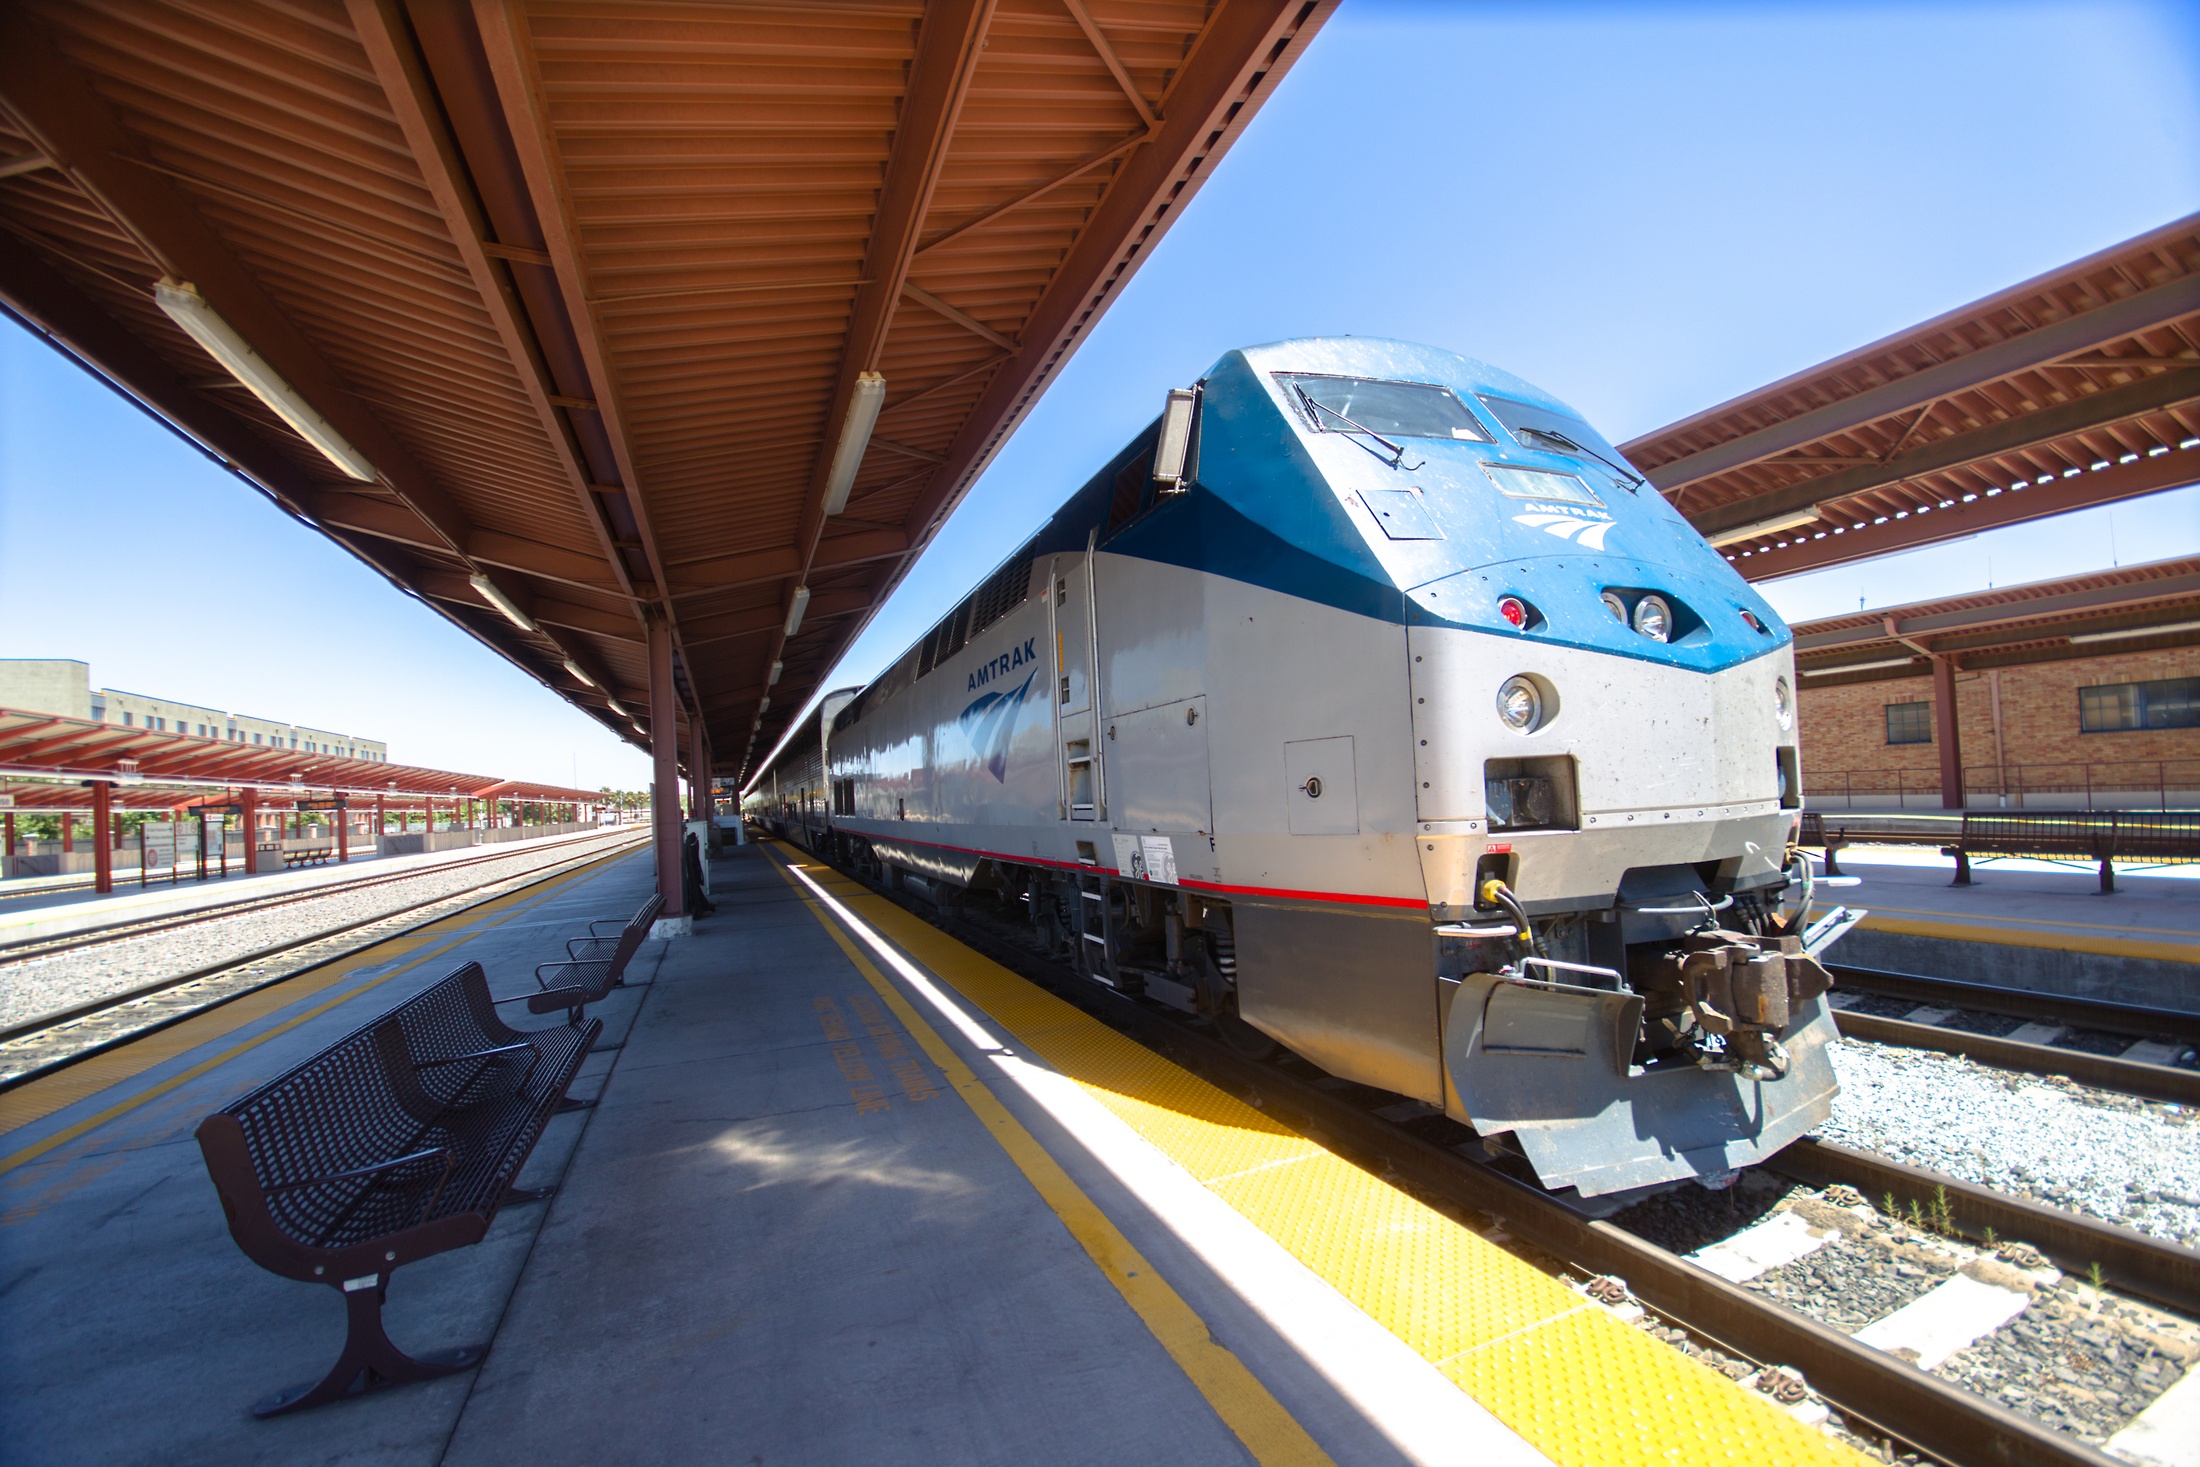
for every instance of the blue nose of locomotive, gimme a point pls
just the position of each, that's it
(1425, 487)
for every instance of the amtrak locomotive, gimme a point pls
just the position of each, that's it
(1370, 704)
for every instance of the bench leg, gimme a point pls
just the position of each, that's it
(2108, 878)
(370, 1362)
(1833, 858)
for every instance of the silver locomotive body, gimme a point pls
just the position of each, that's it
(1353, 741)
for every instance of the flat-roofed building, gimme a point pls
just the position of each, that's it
(62, 686)
(2079, 693)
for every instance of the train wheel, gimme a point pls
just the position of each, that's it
(1243, 1037)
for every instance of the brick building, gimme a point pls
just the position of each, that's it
(2065, 694)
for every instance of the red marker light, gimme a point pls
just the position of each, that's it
(1514, 610)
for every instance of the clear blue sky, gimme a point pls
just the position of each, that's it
(1645, 210)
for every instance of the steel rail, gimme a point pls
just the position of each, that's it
(2128, 1077)
(2132, 1261)
(2106, 1015)
(43, 947)
(1920, 1411)
(466, 900)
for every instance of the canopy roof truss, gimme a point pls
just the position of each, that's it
(2140, 608)
(2078, 388)
(45, 746)
(590, 286)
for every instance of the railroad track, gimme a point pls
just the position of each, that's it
(123, 931)
(52, 1041)
(2128, 1048)
(1877, 1393)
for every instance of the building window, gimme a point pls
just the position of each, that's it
(1910, 723)
(2117, 707)
(129, 720)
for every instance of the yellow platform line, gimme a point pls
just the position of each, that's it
(2187, 951)
(1257, 1418)
(1575, 1382)
(85, 1080)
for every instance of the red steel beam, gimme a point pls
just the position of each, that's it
(2102, 486)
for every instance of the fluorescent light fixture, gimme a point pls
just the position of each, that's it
(763, 707)
(855, 437)
(639, 731)
(772, 678)
(800, 604)
(1175, 441)
(503, 603)
(1856, 666)
(616, 707)
(1759, 528)
(575, 668)
(2125, 636)
(188, 309)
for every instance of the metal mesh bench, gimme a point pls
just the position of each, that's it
(588, 980)
(598, 945)
(2105, 836)
(397, 1142)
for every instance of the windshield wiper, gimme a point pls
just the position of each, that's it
(1567, 445)
(1315, 410)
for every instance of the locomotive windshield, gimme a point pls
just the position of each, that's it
(1365, 405)
(1556, 432)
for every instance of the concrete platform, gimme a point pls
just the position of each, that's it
(2026, 924)
(850, 1194)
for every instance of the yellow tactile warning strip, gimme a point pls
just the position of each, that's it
(2046, 935)
(1578, 1384)
(1268, 1431)
(82, 1081)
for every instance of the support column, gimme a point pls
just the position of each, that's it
(251, 831)
(68, 832)
(1945, 732)
(664, 805)
(7, 867)
(699, 804)
(342, 817)
(103, 852)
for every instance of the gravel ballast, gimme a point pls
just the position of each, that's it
(63, 980)
(2114, 1157)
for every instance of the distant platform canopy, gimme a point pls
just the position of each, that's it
(2140, 608)
(589, 323)
(2078, 388)
(45, 760)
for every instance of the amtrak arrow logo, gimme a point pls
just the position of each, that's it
(1587, 533)
(989, 720)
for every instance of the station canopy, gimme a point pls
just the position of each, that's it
(45, 760)
(2078, 388)
(567, 316)
(2135, 608)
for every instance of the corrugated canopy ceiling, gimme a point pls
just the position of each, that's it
(2077, 388)
(590, 285)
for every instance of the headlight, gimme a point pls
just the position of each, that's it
(1654, 619)
(1615, 604)
(1520, 704)
(1783, 703)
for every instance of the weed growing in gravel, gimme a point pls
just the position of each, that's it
(1944, 1218)
(1990, 1240)
(2093, 1275)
